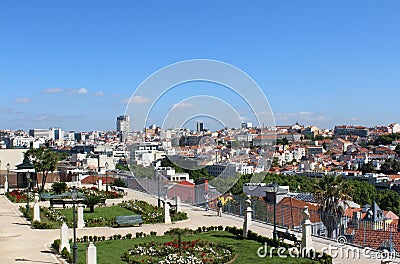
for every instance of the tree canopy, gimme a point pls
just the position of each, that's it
(44, 160)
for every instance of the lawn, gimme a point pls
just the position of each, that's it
(108, 212)
(111, 251)
(103, 215)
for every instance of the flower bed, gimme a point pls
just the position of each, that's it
(192, 251)
(16, 196)
(102, 194)
(151, 214)
(53, 215)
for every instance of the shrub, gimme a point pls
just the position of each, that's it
(65, 254)
(59, 187)
(119, 183)
(56, 244)
(41, 225)
(179, 216)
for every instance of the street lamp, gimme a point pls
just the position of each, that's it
(273, 188)
(106, 165)
(28, 179)
(74, 196)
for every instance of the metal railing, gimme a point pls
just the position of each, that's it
(381, 235)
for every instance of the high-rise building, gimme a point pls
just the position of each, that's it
(199, 126)
(56, 133)
(123, 124)
(39, 133)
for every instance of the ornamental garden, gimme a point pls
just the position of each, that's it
(212, 244)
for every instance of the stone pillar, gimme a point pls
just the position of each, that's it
(100, 185)
(36, 208)
(81, 222)
(306, 239)
(167, 217)
(247, 217)
(36, 212)
(91, 254)
(247, 221)
(178, 204)
(64, 240)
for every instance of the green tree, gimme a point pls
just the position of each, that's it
(386, 139)
(389, 200)
(119, 183)
(122, 167)
(275, 162)
(332, 192)
(367, 168)
(282, 141)
(91, 200)
(362, 191)
(45, 161)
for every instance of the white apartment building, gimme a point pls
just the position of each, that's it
(123, 124)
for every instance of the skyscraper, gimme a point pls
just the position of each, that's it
(199, 126)
(123, 124)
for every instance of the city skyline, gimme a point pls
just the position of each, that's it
(76, 66)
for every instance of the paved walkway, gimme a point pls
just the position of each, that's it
(21, 244)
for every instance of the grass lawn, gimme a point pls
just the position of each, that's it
(105, 212)
(110, 251)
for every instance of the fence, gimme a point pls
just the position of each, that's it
(382, 235)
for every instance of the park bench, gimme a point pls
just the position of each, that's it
(64, 202)
(57, 202)
(129, 220)
(285, 235)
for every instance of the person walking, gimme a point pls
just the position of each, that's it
(207, 198)
(219, 205)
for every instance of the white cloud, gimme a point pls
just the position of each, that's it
(23, 100)
(137, 99)
(53, 90)
(72, 91)
(82, 91)
(99, 93)
(183, 106)
(351, 119)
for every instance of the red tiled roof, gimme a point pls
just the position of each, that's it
(186, 183)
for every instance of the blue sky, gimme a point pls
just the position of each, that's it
(73, 64)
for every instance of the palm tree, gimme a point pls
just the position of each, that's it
(332, 193)
(91, 200)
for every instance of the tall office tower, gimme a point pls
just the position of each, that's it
(56, 133)
(199, 126)
(123, 124)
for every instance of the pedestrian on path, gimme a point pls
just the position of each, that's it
(206, 198)
(219, 205)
